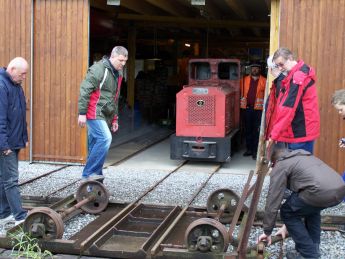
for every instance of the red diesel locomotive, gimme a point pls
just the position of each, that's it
(208, 112)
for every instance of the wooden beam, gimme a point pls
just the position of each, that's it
(268, 3)
(175, 62)
(172, 7)
(274, 32)
(189, 22)
(247, 53)
(240, 9)
(223, 52)
(131, 66)
(256, 31)
(102, 5)
(197, 35)
(142, 7)
(238, 45)
(209, 7)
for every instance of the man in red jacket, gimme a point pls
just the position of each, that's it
(297, 119)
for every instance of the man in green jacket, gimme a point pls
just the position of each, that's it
(98, 108)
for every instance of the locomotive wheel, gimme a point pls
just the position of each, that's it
(207, 235)
(49, 223)
(100, 193)
(223, 196)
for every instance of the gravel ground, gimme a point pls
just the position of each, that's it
(127, 185)
(27, 172)
(52, 182)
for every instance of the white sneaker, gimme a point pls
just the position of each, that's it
(94, 177)
(9, 219)
(19, 222)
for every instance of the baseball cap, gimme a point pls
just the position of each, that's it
(254, 63)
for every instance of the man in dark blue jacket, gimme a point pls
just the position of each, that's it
(13, 137)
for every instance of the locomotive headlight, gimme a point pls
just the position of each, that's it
(200, 102)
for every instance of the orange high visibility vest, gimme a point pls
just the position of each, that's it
(260, 93)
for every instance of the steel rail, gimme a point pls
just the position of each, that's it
(63, 187)
(182, 213)
(87, 242)
(114, 164)
(43, 175)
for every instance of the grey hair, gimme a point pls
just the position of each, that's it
(339, 97)
(119, 50)
(271, 64)
(283, 52)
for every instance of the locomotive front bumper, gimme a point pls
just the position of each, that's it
(204, 149)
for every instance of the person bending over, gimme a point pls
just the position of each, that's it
(314, 185)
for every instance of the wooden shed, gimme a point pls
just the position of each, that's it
(54, 37)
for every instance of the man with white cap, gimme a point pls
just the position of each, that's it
(252, 102)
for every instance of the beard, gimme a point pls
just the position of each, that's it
(254, 73)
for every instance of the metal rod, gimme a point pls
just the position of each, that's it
(220, 212)
(263, 169)
(240, 203)
(250, 191)
(91, 197)
(31, 208)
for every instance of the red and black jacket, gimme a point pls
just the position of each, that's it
(297, 117)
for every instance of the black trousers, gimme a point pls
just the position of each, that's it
(305, 235)
(252, 122)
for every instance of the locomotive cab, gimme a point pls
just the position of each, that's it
(208, 112)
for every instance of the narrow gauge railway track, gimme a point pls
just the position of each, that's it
(138, 230)
(70, 199)
(143, 142)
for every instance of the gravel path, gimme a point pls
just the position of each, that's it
(126, 185)
(27, 172)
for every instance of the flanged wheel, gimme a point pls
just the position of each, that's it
(223, 196)
(43, 222)
(207, 235)
(100, 193)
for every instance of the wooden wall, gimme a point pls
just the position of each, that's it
(314, 31)
(15, 41)
(60, 64)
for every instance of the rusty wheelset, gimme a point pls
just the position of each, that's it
(92, 197)
(225, 206)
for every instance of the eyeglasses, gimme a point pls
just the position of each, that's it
(281, 64)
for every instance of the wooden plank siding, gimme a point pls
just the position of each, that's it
(314, 31)
(60, 64)
(15, 41)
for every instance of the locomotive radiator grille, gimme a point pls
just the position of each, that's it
(201, 110)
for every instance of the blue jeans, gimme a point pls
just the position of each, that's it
(99, 137)
(10, 200)
(307, 146)
(305, 235)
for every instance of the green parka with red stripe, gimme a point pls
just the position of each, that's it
(99, 93)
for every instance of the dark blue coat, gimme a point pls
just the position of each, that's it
(13, 126)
